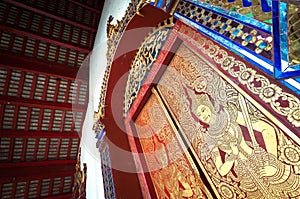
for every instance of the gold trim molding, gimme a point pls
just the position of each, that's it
(144, 59)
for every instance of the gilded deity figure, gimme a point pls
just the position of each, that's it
(254, 164)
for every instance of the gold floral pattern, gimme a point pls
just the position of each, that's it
(292, 154)
(270, 93)
(289, 153)
(246, 76)
(226, 191)
(294, 116)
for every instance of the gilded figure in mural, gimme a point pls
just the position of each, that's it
(238, 146)
(172, 175)
(257, 169)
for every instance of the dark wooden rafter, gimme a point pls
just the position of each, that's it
(37, 134)
(41, 173)
(27, 165)
(38, 185)
(62, 196)
(29, 64)
(85, 6)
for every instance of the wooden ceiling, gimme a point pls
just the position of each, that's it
(42, 99)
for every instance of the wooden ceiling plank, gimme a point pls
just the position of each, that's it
(45, 88)
(27, 124)
(50, 187)
(13, 192)
(69, 148)
(58, 149)
(11, 149)
(46, 154)
(14, 122)
(36, 146)
(62, 121)
(21, 83)
(42, 104)
(8, 75)
(24, 151)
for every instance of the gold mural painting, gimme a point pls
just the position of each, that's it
(241, 151)
(171, 169)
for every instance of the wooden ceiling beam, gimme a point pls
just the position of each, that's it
(36, 10)
(37, 134)
(19, 62)
(48, 168)
(61, 196)
(85, 6)
(30, 165)
(41, 104)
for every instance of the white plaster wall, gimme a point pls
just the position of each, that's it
(89, 152)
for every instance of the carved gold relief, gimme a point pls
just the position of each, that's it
(140, 5)
(79, 187)
(144, 59)
(244, 154)
(171, 173)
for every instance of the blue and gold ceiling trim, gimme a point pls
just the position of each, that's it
(165, 5)
(265, 33)
(286, 26)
